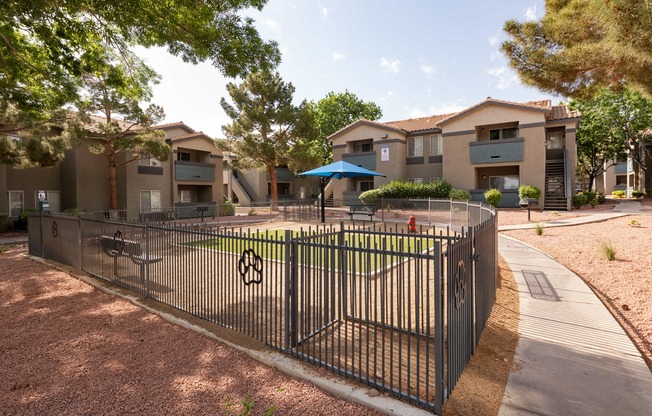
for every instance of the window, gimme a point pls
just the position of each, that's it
(415, 146)
(184, 196)
(508, 133)
(504, 182)
(363, 186)
(364, 147)
(150, 201)
(183, 156)
(621, 180)
(16, 203)
(434, 179)
(435, 145)
(415, 180)
(149, 161)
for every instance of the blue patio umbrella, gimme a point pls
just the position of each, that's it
(337, 170)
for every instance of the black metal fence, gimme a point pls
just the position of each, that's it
(372, 303)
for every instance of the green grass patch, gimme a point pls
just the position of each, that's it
(365, 251)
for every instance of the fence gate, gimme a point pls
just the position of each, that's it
(367, 305)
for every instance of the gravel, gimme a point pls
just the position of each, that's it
(70, 349)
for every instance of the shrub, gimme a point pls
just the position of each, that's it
(638, 194)
(528, 192)
(74, 211)
(459, 195)
(648, 192)
(591, 196)
(4, 222)
(634, 223)
(608, 251)
(579, 201)
(618, 194)
(3, 249)
(601, 198)
(493, 196)
(404, 189)
(538, 229)
(27, 212)
(594, 203)
(370, 197)
(228, 208)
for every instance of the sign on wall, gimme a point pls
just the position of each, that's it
(384, 153)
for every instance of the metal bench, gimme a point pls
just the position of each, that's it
(118, 247)
(369, 210)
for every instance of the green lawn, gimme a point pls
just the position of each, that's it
(366, 252)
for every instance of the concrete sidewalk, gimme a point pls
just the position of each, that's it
(573, 358)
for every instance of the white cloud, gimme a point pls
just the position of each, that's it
(428, 69)
(493, 40)
(338, 56)
(272, 24)
(417, 112)
(391, 66)
(323, 10)
(388, 95)
(504, 75)
(447, 108)
(531, 13)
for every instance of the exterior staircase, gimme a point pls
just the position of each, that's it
(240, 187)
(555, 189)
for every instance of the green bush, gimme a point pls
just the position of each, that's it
(579, 201)
(528, 192)
(27, 212)
(618, 194)
(591, 196)
(538, 229)
(370, 197)
(228, 208)
(608, 251)
(638, 194)
(648, 192)
(601, 198)
(74, 211)
(493, 196)
(4, 221)
(459, 195)
(404, 189)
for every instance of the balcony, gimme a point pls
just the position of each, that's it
(282, 175)
(496, 151)
(366, 160)
(194, 171)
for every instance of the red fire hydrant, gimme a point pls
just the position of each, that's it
(412, 224)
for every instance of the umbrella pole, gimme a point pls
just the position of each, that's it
(323, 199)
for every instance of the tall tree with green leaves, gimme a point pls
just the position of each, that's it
(45, 45)
(336, 111)
(267, 130)
(581, 45)
(613, 123)
(112, 120)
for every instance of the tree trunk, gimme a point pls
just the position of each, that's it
(271, 170)
(113, 179)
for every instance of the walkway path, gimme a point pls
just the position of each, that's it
(573, 358)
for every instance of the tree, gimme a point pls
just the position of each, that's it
(28, 140)
(336, 111)
(582, 45)
(267, 130)
(46, 45)
(597, 147)
(614, 123)
(111, 119)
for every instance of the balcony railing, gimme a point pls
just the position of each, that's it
(495, 151)
(366, 160)
(194, 171)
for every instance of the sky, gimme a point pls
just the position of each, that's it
(414, 58)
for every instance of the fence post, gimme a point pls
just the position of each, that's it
(291, 293)
(440, 383)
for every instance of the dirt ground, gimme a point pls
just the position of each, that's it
(107, 360)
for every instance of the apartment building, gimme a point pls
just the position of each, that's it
(191, 177)
(493, 144)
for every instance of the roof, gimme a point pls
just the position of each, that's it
(368, 123)
(180, 124)
(418, 124)
(412, 125)
(192, 135)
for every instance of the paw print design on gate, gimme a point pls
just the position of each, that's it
(250, 263)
